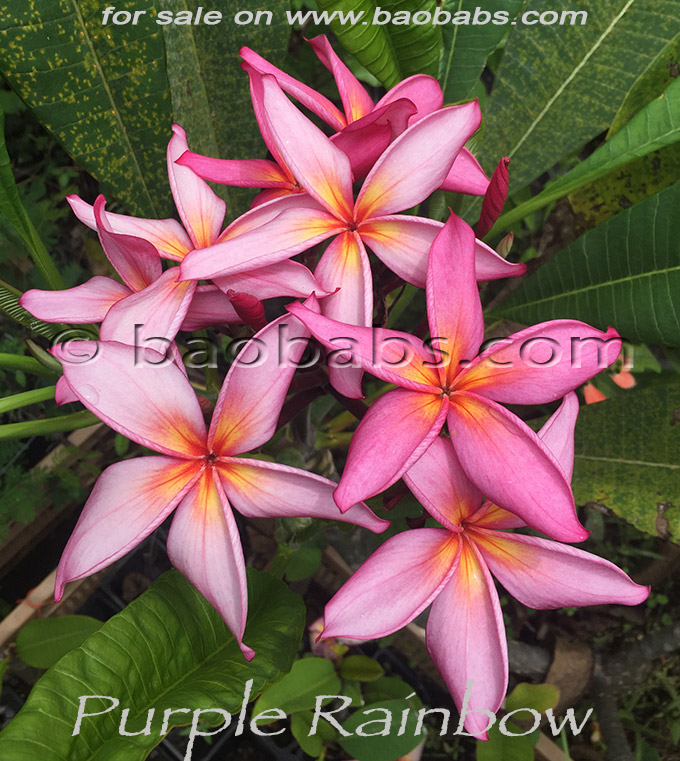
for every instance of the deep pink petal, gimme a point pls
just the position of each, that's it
(510, 464)
(466, 640)
(494, 199)
(397, 582)
(422, 90)
(466, 176)
(209, 306)
(491, 266)
(241, 173)
(285, 278)
(545, 574)
(83, 304)
(260, 489)
(137, 393)
(129, 500)
(204, 545)
(395, 432)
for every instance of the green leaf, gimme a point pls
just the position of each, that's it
(390, 687)
(43, 641)
(627, 458)
(381, 747)
(303, 563)
(101, 90)
(47, 426)
(301, 725)
(538, 697)
(467, 46)
(168, 649)
(25, 398)
(559, 86)
(624, 273)
(391, 52)
(501, 747)
(361, 668)
(299, 688)
(656, 126)
(210, 92)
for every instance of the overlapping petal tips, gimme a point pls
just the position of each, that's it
(494, 198)
(510, 464)
(204, 545)
(256, 385)
(137, 393)
(490, 266)
(422, 90)
(243, 173)
(261, 489)
(417, 162)
(398, 581)
(454, 308)
(355, 100)
(134, 259)
(440, 484)
(167, 236)
(393, 356)
(466, 176)
(466, 640)
(542, 363)
(209, 306)
(201, 211)
(545, 574)
(129, 500)
(397, 429)
(83, 304)
(322, 169)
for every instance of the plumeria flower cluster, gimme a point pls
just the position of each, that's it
(475, 466)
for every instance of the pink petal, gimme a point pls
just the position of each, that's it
(134, 259)
(490, 266)
(397, 582)
(167, 236)
(545, 574)
(440, 484)
(542, 363)
(355, 100)
(260, 489)
(466, 640)
(466, 176)
(271, 194)
(309, 98)
(256, 385)
(242, 173)
(395, 432)
(201, 211)
(63, 393)
(204, 545)
(284, 278)
(494, 199)
(422, 90)
(322, 169)
(417, 162)
(456, 322)
(129, 500)
(83, 304)
(138, 394)
(510, 464)
(209, 306)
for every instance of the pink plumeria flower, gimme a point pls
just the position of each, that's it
(451, 568)
(408, 171)
(200, 474)
(499, 452)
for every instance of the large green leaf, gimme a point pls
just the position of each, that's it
(167, 649)
(101, 90)
(378, 718)
(467, 46)
(43, 641)
(624, 273)
(559, 86)
(627, 457)
(210, 92)
(391, 52)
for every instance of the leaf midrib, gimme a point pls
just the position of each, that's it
(622, 461)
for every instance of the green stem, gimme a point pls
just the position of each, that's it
(23, 363)
(43, 261)
(50, 425)
(25, 398)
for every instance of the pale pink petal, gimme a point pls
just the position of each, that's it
(440, 484)
(208, 307)
(355, 100)
(494, 199)
(204, 545)
(422, 90)
(242, 173)
(256, 385)
(129, 500)
(417, 162)
(542, 363)
(139, 394)
(63, 393)
(397, 429)
(510, 464)
(491, 266)
(266, 212)
(466, 640)
(322, 169)
(311, 99)
(466, 176)
(167, 236)
(545, 574)
(260, 489)
(397, 582)
(285, 278)
(271, 194)
(83, 304)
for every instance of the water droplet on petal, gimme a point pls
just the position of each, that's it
(90, 393)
